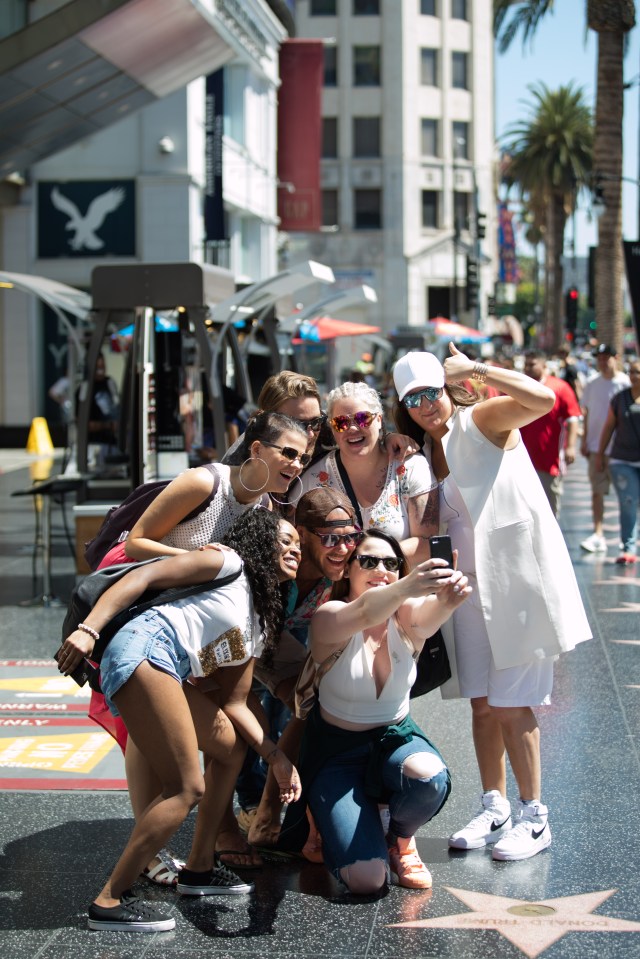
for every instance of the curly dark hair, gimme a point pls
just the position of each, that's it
(459, 396)
(255, 537)
(340, 589)
(267, 427)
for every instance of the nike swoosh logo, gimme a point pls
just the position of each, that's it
(536, 835)
(498, 825)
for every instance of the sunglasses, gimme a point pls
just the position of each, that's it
(290, 453)
(432, 393)
(391, 563)
(329, 540)
(314, 423)
(362, 419)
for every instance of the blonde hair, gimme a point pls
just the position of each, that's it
(357, 391)
(284, 386)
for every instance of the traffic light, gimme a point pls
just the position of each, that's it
(481, 225)
(472, 283)
(571, 308)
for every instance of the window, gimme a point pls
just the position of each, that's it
(323, 8)
(366, 8)
(428, 67)
(428, 8)
(461, 211)
(459, 10)
(330, 66)
(329, 137)
(329, 207)
(367, 209)
(460, 135)
(459, 71)
(366, 136)
(429, 139)
(366, 66)
(430, 211)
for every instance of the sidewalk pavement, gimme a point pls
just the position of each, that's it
(578, 899)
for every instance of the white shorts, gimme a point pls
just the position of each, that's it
(527, 685)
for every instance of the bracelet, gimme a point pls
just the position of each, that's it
(90, 630)
(480, 372)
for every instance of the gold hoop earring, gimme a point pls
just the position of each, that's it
(263, 486)
(289, 502)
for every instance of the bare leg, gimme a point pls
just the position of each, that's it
(265, 827)
(155, 711)
(219, 741)
(142, 782)
(489, 745)
(597, 506)
(522, 740)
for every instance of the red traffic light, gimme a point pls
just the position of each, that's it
(573, 293)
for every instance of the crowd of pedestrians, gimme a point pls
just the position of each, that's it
(317, 526)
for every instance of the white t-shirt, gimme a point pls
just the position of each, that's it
(595, 400)
(219, 627)
(390, 512)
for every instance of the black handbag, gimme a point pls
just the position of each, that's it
(433, 666)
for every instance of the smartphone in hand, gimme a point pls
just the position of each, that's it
(83, 673)
(441, 549)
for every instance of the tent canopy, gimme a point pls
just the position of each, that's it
(456, 331)
(327, 328)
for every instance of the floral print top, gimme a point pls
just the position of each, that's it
(403, 482)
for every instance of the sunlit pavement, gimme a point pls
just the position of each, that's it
(579, 898)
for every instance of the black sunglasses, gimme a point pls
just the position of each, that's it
(329, 540)
(432, 393)
(391, 563)
(314, 423)
(290, 453)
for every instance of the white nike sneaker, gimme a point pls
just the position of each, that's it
(491, 823)
(530, 835)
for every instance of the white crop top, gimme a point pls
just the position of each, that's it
(219, 627)
(348, 690)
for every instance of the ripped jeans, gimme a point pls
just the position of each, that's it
(626, 478)
(349, 820)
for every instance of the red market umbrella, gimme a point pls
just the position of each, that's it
(327, 328)
(456, 331)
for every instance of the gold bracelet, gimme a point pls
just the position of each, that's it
(89, 630)
(480, 372)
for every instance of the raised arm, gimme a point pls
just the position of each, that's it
(333, 625)
(184, 494)
(424, 518)
(524, 401)
(420, 618)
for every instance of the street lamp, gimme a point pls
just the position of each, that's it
(258, 297)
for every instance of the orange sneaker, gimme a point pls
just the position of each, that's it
(407, 868)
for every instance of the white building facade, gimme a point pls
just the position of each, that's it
(408, 152)
(150, 166)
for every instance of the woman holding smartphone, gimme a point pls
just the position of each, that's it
(526, 608)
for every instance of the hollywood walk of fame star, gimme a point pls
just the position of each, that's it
(531, 926)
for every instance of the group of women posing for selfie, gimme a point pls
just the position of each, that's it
(179, 675)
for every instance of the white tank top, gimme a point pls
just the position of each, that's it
(348, 690)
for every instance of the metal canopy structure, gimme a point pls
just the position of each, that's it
(93, 62)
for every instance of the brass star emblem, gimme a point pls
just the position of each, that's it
(530, 926)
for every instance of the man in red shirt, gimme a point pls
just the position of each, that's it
(551, 439)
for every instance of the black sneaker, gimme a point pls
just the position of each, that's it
(132, 915)
(218, 881)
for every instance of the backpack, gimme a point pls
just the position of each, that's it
(121, 519)
(89, 590)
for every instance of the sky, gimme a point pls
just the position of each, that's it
(560, 53)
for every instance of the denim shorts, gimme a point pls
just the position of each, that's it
(147, 637)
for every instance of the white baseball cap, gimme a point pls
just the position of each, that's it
(417, 370)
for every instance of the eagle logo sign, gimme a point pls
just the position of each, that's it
(85, 227)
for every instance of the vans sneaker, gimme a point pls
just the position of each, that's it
(131, 915)
(407, 868)
(594, 544)
(218, 881)
(529, 836)
(490, 824)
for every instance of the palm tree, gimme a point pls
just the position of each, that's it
(611, 20)
(550, 161)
